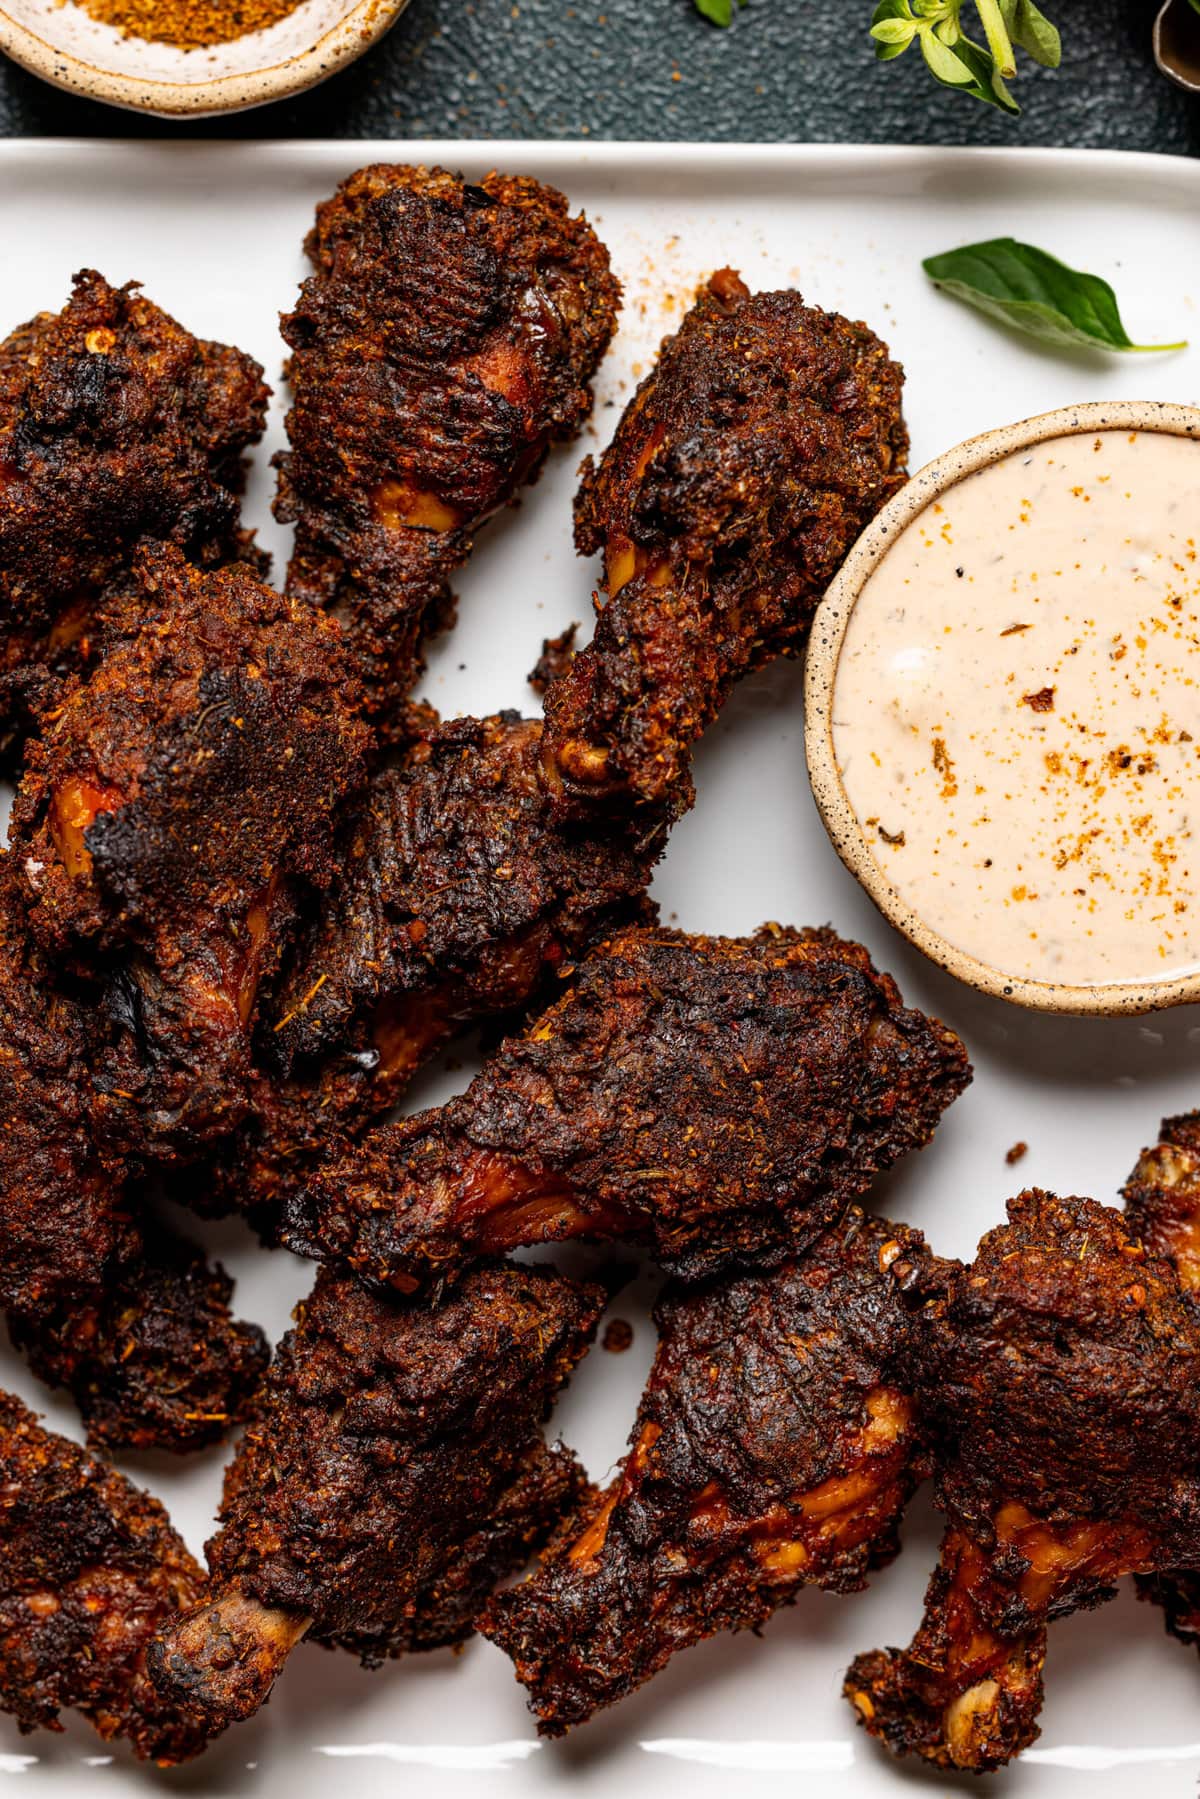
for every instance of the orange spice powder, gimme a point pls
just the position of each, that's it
(189, 24)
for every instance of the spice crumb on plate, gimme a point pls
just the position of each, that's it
(618, 1335)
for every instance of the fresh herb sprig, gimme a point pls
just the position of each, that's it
(956, 60)
(1034, 292)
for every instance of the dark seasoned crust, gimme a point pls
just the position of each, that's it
(291, 1126)
(720, 1100)
(1162, 1207)
(459, 898)
(557, 655)
(458, 895)
(775, 1447)
(1093, 1412)
(64, 1225)
(1177, 1594)
(1162, 1197)
(153, 1358)
(765, 439)
(89, 1569)
(395, 1470)
(1061, 1378)
(404, 1420)
(116, 425)
(549, 1484)
(125, 1316)
(169, 815)
(447, 338)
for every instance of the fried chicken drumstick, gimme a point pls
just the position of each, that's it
(776, 1447)
(766, 438)
(395, 1472)
(90, 1568)
(720, 1100)
(1162, 1204)
(1061, 1378)
(169, 814)
(458, 896)
(447, 338)
(1162, 1197)
(119, 1311)
(116, 425)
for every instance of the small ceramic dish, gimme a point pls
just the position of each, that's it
(828, 637)
(60, 41)
(1177, 44)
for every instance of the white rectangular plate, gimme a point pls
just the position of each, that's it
(214, 232)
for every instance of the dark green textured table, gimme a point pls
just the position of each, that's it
(789, 70)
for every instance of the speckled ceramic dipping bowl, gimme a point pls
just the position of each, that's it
(828, 636)
(62, 43)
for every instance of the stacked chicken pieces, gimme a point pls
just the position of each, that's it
(253, 887)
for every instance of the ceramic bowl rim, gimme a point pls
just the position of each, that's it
(362, 25)
(825, 646)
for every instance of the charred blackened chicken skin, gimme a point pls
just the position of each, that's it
(1060, 1375)
(447, 338)
(458, 896)
(720, 1100)
(172, 812)
(102, 1300)
(765, 439)
(776, 1447)
(1162, 1204)
(395, 1472)
(90, 1568)
(116, 425)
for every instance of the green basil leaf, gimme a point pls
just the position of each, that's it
(1032, 291)
(889, 20)
(894, 31)
(985, 81)
(1032, 32)
(945, 63)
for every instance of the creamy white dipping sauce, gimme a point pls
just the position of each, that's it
(1016, 711)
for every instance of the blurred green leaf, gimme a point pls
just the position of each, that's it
(719, 11)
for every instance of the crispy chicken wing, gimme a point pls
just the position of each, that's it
(1061, 1377)
(458, 895)
(762, 443)
(395, 1471)
(775, 1448)
(720, 1100)
(123, 1314)
(447, 338)
(116, 425)
(171, 812)
(89, 1569)
(152, 1357)
(459, 898)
